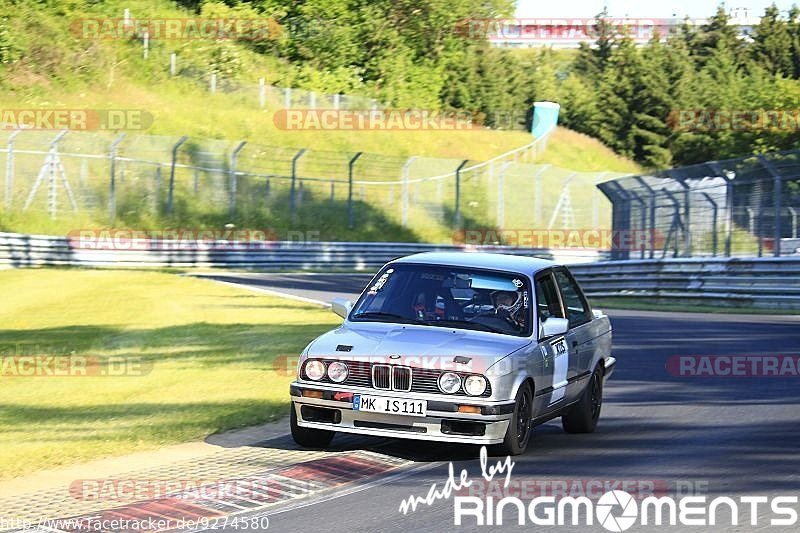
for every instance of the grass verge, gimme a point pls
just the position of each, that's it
(214, 354)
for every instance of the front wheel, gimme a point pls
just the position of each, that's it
(519, 428)
(583, 416)
(309, 437)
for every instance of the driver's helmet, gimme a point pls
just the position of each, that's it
(507, 296)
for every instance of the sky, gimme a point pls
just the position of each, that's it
(638, 8)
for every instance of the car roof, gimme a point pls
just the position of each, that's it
(515, 263)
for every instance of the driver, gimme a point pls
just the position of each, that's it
(507, 305)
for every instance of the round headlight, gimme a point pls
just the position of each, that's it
(450, 382)
(475, 385)
(337, 371)
(315, 370)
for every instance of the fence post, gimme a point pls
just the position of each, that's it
(146, 44)
(728, 204)
(171, 192)
(537, 199)
(404, 192)
(778, 203)
(233, 177)
(336, 101)
(715, 210)
(652, 208)
(350, 166)
(262, 93)
(312, 100)
(501, 199)
(457, 214)
(10, 167)
(287, 98)
(112, 196)
(296, 158)
(173, 64)
(213, 83)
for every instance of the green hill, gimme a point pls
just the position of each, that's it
(46, 65)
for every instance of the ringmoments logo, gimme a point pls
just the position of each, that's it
(615, 510)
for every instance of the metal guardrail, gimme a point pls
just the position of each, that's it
(17, 250)
(756, 282)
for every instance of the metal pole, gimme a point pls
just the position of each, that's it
(501, 201)
(10, 167)
(404, 193)
(728, 204)
(52, 171)
(350, 166)
(793, 211)
(652, 236)
(713, 222)
(537, 198)
(172, 173)
(457, 214)
(777, 200)
(173, 64)
(296, 157)
(233, 177)
(112, 196)
(262, 93)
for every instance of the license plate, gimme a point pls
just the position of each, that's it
(391, 406)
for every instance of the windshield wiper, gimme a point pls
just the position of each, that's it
(468, 324)
(386, 317)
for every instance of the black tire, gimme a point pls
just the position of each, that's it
(308, 437)
(518, 433)
(583, 416)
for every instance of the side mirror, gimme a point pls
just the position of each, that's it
(554, 326)
(341, 307)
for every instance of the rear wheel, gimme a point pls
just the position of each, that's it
(309, 437)
(583, 416)
(519, 428)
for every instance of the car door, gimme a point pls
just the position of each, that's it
(551, 390)
(580, 337)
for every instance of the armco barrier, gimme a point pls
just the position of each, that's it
(18, 250)
(756, 282)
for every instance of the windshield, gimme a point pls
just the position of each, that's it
(450, 297)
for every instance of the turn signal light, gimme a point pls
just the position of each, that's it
(471, 409)
(312, 394)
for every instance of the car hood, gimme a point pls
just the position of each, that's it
(415, 346)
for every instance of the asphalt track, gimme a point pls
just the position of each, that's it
(713, 436)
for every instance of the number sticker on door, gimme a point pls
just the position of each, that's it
(560, 367)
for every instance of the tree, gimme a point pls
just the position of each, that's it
(718, 33)
(591, 62)
(772, 43)
(617, 90)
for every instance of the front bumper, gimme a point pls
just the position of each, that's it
(610, 364)
(443, 422)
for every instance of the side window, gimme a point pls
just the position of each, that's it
(577, 308)
(547, 301)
